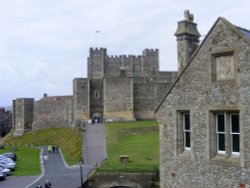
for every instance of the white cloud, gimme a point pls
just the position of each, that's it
(44, 43)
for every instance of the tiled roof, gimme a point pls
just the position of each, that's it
(244, 32)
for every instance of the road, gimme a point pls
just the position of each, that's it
(56, 170)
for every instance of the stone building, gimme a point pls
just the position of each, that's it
(118, 88)
(204, 118)
(22, 115)
(5, 122)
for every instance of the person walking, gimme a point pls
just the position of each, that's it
(39, 186)
(47, 184)
(49, 148)
(42, 159)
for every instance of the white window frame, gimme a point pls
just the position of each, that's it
(228, 134)
(234, 133)
(219, 133)
(186, 131)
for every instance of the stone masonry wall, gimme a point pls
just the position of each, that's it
(23, 115)
(118, 98)
(133, 180)
(53, 112)
(96, 97)
(96, 63)
(81, 91)
(197, 92)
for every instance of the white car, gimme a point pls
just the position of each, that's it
(2, 157)
(5, 170)
(8, 163)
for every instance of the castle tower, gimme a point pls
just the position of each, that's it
(96, 63)
(23, 115)
(150, 62)
(187, 39)
(81, 90)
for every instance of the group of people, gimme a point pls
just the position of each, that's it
(46, 185)
(44, 157)
(94, 120)
(54, 149)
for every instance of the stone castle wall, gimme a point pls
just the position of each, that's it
(96, 98)
(23, 113)
(118, 88)
(52, 112)
(101, 65)
(118, 99)
(81, 96)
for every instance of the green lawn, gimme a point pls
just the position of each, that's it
(69, 140)
(27, 160)
(139, 140)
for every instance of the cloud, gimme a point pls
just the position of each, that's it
(44, 43)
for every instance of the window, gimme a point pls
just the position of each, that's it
(97, 94)
(123, 72)
(220, 129)
(227, 133)
(186, 130)
(183, 131)
(235, 133)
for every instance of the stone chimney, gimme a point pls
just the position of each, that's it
(187, 39)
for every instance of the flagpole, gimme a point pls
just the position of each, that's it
(96, 38)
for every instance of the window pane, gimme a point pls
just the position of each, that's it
(221, 142)
(186, 121)
(236, 142)
(187, 139)
(235, 125)
(220, 123)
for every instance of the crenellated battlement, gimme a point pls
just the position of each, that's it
(98, 51)
(151, 52)
(100, 64)
(120, 57)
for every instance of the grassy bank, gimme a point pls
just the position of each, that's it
(69, 140)
(139, 140)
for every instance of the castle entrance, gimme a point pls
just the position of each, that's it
(96, 117)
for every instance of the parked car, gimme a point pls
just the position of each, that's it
(5, 170)
(2, 157)
(2, 176)
(2, 165)
(10, 155)
(9, 163)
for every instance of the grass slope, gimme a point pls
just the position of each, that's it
(139, 140)
(28, 160)
(69, 140)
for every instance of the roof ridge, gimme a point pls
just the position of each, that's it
(238, 27)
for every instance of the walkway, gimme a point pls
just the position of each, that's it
(56, 170)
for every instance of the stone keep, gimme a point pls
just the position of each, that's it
(118, 88)
(204, 118)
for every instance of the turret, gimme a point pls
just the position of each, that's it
(96, 63)
(187, 39)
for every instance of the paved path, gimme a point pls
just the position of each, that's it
(95, 145)
(56, 170)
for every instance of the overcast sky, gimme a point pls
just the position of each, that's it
(44, 44)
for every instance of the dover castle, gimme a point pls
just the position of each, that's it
(118, 88)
